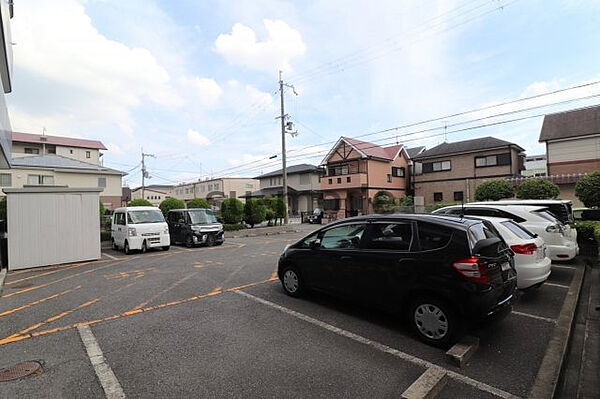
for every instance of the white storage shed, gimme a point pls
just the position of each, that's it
(52, 225)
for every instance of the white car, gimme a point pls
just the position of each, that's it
(139, 228)
(532, 264)
(560, 239)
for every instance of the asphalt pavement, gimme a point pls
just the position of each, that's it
(215, 322)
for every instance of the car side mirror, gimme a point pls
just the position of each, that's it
(314, 244)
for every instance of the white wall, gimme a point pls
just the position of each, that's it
(577, 149)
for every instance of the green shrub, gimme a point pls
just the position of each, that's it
(171, 203)
(537, 189)
(438, 205)
(233, 227)
(198, 203)
(277, 205)
(254, 212)
(232, 211)
(102, 210)
(587, 189)
(139, 202)
(383, 202)
(588, 231)
(494, 190)
(269, 215)
(405, 201)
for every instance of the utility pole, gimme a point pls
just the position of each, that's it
(282, 116)
(145, 173)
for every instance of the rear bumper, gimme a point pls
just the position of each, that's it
(530, 274)
(563, 252)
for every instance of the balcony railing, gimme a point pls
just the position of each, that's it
(344, 181)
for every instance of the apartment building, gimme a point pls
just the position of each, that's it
(356, 170)
(535, 166)
(155, 193)
(451, 172)
(28, 144)
(303, 187)
(216, 190)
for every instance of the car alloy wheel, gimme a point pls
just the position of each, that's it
(126, 248)
(189, 241)
(144, 247)
(291, 282)
(431, 321)
(210, 240)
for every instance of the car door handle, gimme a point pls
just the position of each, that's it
(346, 257)
(406, 260)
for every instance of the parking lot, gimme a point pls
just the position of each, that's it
(215, 322)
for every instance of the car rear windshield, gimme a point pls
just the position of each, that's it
(479, 232)
(518, 230)
(202, 216)
(547, 215)
(145, 216)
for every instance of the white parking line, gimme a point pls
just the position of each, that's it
(564, 267)
(383, 348)
(110, 256)
(533, 316)
(557, 285)
(108, 380)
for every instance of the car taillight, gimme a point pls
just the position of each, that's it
(472, 269)
(524, 249)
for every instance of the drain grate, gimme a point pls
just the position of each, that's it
(20, 370)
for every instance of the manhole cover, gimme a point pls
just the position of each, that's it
(20, 370)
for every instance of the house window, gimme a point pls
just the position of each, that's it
(70, 151)
(389, 178)
(437, 197)
(32, 150)
(430, 167)
(5, 180)
(102, 182)
(348, 179)
(331, 204)
(249, 185)
(398, 172)
(458, 196)
(330, 181)
(51, 150)
(339, 180)
(492, 160)
(216, 186)
(36, 180)
(339, 170)
(88, 154)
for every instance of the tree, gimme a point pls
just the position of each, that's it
(383, 202)
(171, 203)
(279, 208)
(198, 203)
(269, 214)
(139, 202)
(254, 212)
(537, 189)
(232, 211)
(494, 190)
(587, 189)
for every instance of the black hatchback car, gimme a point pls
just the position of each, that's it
(442, 272)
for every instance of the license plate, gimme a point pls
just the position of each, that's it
(505, 266)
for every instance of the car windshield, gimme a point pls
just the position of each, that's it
(202, 216)
(518, 230)
(145, 216)
(317, 211)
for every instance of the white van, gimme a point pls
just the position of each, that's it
(139, 228)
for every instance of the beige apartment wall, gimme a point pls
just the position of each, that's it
(79, 154)
(155, 197)
(377, 176)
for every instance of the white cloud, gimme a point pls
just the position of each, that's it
(98, 78)
(541, 87)
(207, 91)
(241, 46)
(196, 138)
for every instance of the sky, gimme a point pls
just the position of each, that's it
(195, 82)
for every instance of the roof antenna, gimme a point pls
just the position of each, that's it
(462, 207)
(445, 132)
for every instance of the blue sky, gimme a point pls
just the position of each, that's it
(195, 82)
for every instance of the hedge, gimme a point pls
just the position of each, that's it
(233, 227)
(588, 231)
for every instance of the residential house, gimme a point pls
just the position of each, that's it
(572, 147)
(535, 166)
(412, 152)
(84, 150)
(216, 190)
(303, 187)
(155, 193)
(451, 172)
(55, 170)
(356, 170)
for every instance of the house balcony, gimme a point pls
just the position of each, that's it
(353, 180)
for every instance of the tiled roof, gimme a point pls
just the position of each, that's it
(154, 187)
(373, 150)
(483, 143)
(576, 123)
(301, 168)
(57, 140)
(53, 161)
(414, 151)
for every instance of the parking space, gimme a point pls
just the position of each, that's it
(216, 322)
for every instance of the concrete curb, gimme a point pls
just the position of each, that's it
(548, 374)
(2, 277)
(261, 233)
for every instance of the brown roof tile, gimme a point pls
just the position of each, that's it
(576, 123)
(57, 140)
